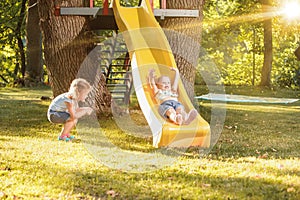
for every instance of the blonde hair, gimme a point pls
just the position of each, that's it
(159, 79)
(77, 86)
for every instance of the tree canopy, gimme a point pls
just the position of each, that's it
(233, 37)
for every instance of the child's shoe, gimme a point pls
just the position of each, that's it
(64, 138)
(71, 137)
(68, 138)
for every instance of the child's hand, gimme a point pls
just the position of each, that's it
(151, 74)
(174, 69)
(89, 110)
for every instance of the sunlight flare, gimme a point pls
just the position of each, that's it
(291, 10)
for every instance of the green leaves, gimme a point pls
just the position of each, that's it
(233, 38)
(10, 12)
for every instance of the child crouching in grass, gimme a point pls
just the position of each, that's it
(64, 108)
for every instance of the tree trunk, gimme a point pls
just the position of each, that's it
(268, 47)
(19, 38)
(67, 43)
(34, 68)
(184, 36)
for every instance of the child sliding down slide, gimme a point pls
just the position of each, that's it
(166, 95)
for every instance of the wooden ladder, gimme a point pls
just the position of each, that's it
(115, 65)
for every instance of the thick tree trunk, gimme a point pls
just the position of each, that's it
(67, 43)
(268, 47)
(34, 68)
(185, 39)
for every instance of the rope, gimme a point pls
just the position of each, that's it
(29, 7)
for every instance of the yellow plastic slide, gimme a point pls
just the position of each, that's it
(149, 49)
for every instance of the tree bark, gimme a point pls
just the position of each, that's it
(19, 37)
(268, 47)
(34, 68)
(184, 39)
(67, 42)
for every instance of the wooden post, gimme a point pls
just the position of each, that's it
(163, 4)
(105, 7)
(56, 9)
(253, 52)
(91, 3)
(151, 3)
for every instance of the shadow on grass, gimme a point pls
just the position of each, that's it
(23, 117)
(64, 175)
(172, 184)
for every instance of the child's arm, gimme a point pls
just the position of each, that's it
(176, 79)
(70, 108)
(78, 112)
(151, 81)
(81, 111)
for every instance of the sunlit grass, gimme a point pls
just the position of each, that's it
(257, 156)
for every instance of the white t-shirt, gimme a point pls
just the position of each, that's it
(58, 104)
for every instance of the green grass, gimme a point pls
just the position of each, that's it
(256, 157)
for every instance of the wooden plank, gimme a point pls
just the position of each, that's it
(175, 13)
(99, 11)
(107, 22)
(105, 7)
(84, 11)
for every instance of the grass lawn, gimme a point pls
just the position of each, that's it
(256, 157)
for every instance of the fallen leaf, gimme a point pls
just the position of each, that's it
(258, 176)
(280, 166)
(228, 127)
(16, 197)
(206, 185)
(274, 150)
(6, 168)
(111, 193)
(265, 155)
(290, 189)
(2, 195)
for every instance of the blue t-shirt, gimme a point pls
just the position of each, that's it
(58, 104)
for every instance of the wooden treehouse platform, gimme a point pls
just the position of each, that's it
(103, 17)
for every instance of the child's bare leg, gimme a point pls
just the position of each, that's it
(180, 110)
(68, 126)
(174, 117)
(191, 116)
